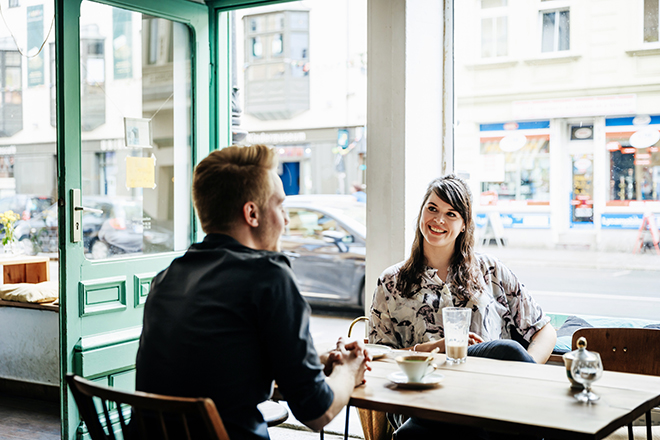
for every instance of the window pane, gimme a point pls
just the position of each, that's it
(276, 45)
(257, 48)
(502, 37)
(548, 37)
(299, 20)
(12, 78)
(651, 21)
(275, 22)
(485, 4)
(487, 32)
(318, 130)
(136, 159)
(564, 30)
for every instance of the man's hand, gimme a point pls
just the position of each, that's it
(353, 354)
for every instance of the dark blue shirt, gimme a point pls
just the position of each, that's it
(224, 321)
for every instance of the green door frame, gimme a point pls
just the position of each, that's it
(74, 268)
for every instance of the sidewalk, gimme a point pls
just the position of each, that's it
(575, 258)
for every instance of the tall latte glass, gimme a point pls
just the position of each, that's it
(456, 322)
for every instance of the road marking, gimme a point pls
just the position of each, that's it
(594, 296)
(621, 273)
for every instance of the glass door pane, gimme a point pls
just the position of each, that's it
(135, 100)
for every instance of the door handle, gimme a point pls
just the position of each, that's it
(84, 208)
(76, 215)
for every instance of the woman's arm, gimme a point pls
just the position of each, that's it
(542, 344)
(473, 338)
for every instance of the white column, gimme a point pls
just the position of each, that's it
(405, 123)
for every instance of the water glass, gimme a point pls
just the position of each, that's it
(587, 370)
(456, 323)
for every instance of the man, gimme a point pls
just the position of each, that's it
(227, 318)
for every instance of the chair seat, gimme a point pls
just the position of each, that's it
(273, 412)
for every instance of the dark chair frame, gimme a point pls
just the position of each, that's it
(202, 409)
(626, 350)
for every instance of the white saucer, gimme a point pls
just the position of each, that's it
(429, 381)
(377, 351)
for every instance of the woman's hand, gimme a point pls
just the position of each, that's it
(474, 339)
(430, 346)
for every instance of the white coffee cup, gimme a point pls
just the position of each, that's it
(416, 367)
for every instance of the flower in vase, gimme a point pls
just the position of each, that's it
(8, 220)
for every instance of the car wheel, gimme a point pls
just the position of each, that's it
(100, 250)
(28, 246)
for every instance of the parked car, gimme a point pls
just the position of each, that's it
(123, 228)
(326, 242)
(119, 228)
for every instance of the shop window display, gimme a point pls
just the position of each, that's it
(521, 175)
(634, 172)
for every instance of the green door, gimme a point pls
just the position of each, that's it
(133, 118)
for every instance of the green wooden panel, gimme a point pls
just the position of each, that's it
(124, 381)
(106, 360)
(142, 286)
(104, 295)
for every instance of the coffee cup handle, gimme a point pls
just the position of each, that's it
(432, 367)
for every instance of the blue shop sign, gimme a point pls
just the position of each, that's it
(623, 221)
(517, 221)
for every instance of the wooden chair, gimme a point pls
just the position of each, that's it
(627, 350)
(374, 423)
(154, 416)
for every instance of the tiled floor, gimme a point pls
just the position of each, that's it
(23, 418)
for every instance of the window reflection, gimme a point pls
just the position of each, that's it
(136, 97)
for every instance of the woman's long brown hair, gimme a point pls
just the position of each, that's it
(462, 267)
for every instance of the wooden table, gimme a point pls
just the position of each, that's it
(513, 397)
(25, 269)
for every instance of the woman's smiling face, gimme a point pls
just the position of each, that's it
(440, 223)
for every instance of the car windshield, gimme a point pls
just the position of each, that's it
(354, 216)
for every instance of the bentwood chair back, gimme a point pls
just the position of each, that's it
(627, 350)
(153, 415)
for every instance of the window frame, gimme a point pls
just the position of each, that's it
(493, 14)
(4, 89)
(555, 43)
(642, 26)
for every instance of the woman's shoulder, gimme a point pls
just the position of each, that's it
(391, 273)
(488, 262)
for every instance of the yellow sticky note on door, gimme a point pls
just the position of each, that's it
(140, 172)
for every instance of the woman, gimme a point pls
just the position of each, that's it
(443, 271)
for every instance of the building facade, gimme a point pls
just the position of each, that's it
(557, 119)
(303, 83)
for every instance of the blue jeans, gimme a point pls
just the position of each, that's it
(415, 428)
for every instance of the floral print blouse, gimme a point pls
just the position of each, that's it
(504, 303)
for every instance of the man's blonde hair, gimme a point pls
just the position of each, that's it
(229, 178)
